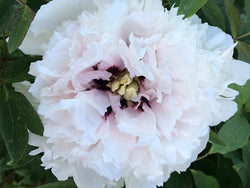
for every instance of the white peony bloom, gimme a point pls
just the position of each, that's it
(127, 90)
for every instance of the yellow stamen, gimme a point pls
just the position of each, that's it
(125, 86)
(131, 91)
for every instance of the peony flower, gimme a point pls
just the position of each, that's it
(127, 90)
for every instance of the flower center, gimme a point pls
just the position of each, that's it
(125, 86)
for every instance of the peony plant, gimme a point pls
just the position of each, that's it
(126, 90)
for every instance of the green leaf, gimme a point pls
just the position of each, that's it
(215, 139)
(182, 180)
(247, 8)
(233, 17)
(243, 99)
(234, 133)
(236, 158)
(246, 170)
(245, 26)
(17, 69)
(242, 164)
(26, 158)
(16, 115)
(27, 112)
(225, 173)
(244, 32)
(190, 7)
(7, 10)
(214, 14)
(204, 181)
(58, 185)
(4, 157)
(21, 22)
(12, 129)
(36, 4)
(2, 50)
(243, 51)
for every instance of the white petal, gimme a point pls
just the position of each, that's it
(217, 40)
(202, 145)
(48, 18)
(237, 71)
(34, 45)
(167, 113)
(132, 182)
(87, 178)
(36, 140)
(224, 110)
(132, 59)
(62, 169)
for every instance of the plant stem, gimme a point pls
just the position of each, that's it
(202, 157)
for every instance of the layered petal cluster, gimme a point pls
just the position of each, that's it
(127, 90)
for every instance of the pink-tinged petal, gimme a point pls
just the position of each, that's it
(115, 102)
(122, 143)
(91, 75)
(167, 113)
(132, 57)
(90, 102)
(138, 124)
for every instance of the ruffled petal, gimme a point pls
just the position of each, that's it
(87, 178)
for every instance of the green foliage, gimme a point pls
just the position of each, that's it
(21, 21)
(244, 172)
(58, 185)
(214, 14)
(215, 139)
(190, 7)
(233, 17)
(247, 8)
(225, 174)
(204, 181)
(243, 99)
(235, 134)
(244, 51)
(17, 69)
(13, 132)
(7, 10)
(241, 162)
(35, 4)
(182, 180)
(245, 26)
(224, 163)
(17, 116)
